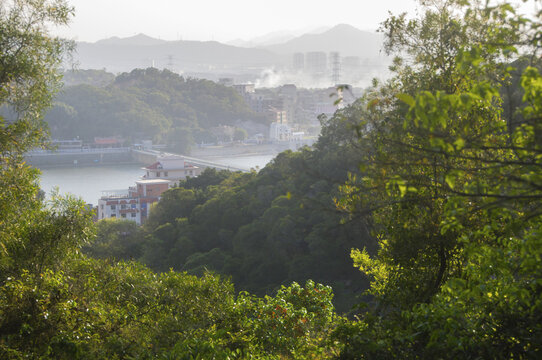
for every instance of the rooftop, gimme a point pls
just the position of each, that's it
(159, 166)
(152, 166)
(152, 181)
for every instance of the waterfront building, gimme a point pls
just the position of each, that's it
(279, 132)
(108, 142)
(134, 203)
(172, 168)
(61, 145)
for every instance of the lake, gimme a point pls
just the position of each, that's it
(89, 182)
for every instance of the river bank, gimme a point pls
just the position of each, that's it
(240, 149)
(89, 181)
(235, 150)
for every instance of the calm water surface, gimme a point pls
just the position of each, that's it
(89, 182)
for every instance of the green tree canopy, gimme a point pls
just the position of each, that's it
(57, 304)
(148, 103)
(454, 191)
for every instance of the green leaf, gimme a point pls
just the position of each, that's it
(407, 99)
(459, 143)
(450, 180)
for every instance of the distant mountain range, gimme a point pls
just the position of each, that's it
(136, 40)
(118, 55)
(141, 51)
(346, 39)
(275, 37)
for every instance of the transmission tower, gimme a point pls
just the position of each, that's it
(335, 68)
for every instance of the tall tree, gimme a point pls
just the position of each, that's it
(29, 64)
(455, 193)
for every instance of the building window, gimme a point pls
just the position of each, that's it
(113, 207)
(133, 206)
(123, 207)
(133, 214)
(113, 215)
(123, 216)
(165, 173)
(158, 174)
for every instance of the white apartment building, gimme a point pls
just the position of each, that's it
(133, 204)
(172, 168)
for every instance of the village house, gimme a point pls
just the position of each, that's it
(172, 168)
(135, 203)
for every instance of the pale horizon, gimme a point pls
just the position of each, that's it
(219, 20)
(225, 21)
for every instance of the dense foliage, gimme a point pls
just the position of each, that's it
(99, 78)
(57, 304)
(449, 182)
(28, 77)
(148, 104)
(452, 166)
(263, 229)
(97, 310)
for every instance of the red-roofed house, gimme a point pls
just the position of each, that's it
(112, 141)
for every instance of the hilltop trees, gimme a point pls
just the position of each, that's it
(149, 103)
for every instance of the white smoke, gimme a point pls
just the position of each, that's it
(273, 77)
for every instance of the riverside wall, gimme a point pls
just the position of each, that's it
(46, 159)
(143, 157)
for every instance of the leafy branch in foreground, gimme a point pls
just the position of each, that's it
(457, 187)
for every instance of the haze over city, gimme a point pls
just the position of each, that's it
(224, 20)
(220, 20)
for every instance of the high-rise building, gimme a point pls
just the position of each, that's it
(299, 62)
(316, 62)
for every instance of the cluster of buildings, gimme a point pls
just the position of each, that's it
(291, 110)
(333, 66)
(98, 143)
(135, 202)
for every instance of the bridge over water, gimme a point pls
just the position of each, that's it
(74, 157)
(148, 156)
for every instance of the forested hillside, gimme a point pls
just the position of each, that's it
(263, 229)
(100, 78)
(148, 104)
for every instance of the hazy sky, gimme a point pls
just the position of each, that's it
(220, 20)
(223, 20)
